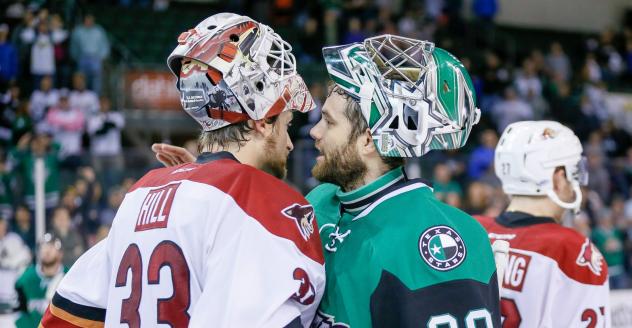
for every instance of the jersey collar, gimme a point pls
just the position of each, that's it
(521, 219)
(355, 201)
(209, 157)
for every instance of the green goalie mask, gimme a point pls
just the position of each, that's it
(413, 96)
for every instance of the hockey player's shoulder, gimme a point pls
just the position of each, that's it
(323, 194)
(485, 221)
(282, 210)
(575, 255)
(323, 190)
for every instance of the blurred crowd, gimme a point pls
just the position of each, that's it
(52, 108)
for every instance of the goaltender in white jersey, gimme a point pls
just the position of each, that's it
(554, 277)
(221, 242)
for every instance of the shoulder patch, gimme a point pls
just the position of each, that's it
(589, 256)
(303, 216)
(442, 248)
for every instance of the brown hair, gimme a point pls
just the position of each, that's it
(237, 133)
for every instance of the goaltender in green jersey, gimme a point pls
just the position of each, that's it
(395, 255)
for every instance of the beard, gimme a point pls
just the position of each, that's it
(274, 163)
(342, 166)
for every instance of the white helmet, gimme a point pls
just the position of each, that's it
(528, 154)
(240, 69)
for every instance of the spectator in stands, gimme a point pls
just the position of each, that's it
(609, 240)
(89, 46)
(67, 124)
(71, 201)
(8, 57)
(15, 11)
(43, 99)
(591, 71)
(557, 62)
(617, 208)
(609, 56)
(443, 184)
(24, 227)
(42, 51)
(7, 188)
(529, 88)
(14, 257)
(354, 31)
(72, 243)
(482, 157)
(564, 104)
(24, 48)
(22, 123)
(485, 11)
(105, 143)
(115, 199)
(82, 98)
(312, 40)
(599, 177)
(495, 79)
(478, 198)
(511, 109)
(616, 141)
(410, 24)
(9, 105)
(28, 150)
(37, 284)
(11, 99)
(581, 223)
(596, 106)
(88, 197)
(62, 59)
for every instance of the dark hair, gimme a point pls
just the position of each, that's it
(358, 123)
(234, 133)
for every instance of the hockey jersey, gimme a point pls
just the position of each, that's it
(214, 243)
(34, 291)
(398, 257)
(555, 277)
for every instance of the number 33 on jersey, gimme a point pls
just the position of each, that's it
(189, 248)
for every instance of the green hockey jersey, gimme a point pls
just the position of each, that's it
(395, 256)
(33, 292)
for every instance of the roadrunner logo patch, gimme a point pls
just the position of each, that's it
(442, 248)
(590, 257)
(303, 216)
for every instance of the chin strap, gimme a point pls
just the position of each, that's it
(575, 205)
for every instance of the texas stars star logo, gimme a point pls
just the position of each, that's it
(442, 248)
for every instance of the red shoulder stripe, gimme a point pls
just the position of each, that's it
(262, 196)
(573, 252)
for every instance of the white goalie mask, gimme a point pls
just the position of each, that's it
(231, 68)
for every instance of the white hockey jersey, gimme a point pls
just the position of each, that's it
(555, 277)
(209, 244)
